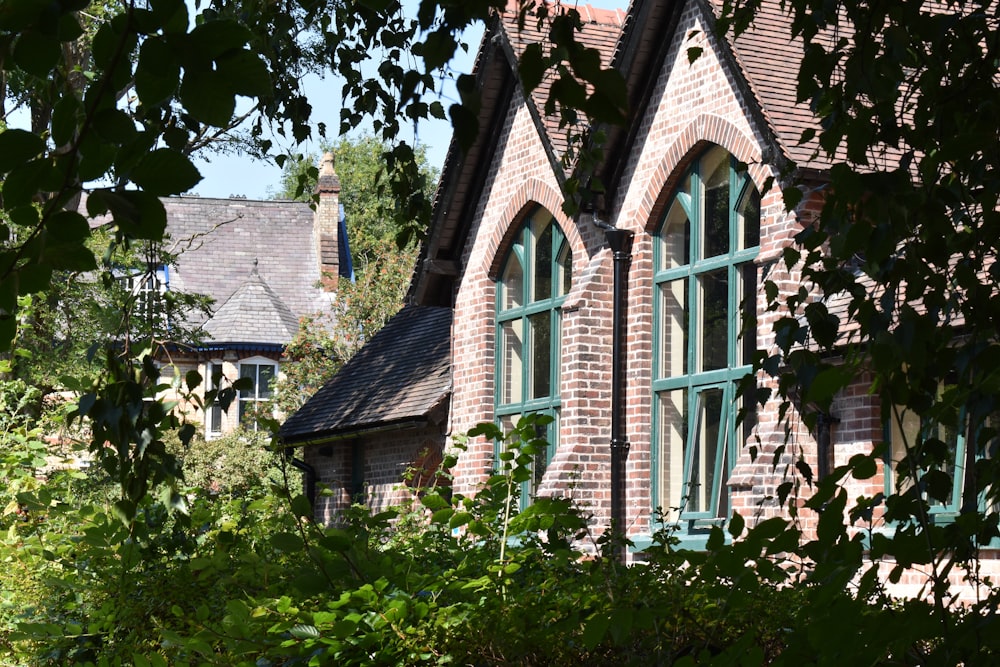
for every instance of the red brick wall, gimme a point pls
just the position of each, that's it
(388, 455)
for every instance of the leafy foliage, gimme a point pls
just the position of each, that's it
(447, 579)
(906, 241)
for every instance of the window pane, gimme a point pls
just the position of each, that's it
(675, 238)
(903, 435)
(511, 367)
(542, 274)
(705, 456)
(265, 378)
(249, 371)
(673, 328)
(214, 381)
(215, 419)
(673, 432)
(565, 262)
(715, 180)
(714, 330)
(512, 283)
(924, 441)
(749, 219)
(541, 460)
(541, 354)
(748, 312)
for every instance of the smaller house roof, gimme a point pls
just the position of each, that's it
(252, 314)
(398, 377)
(216, 242)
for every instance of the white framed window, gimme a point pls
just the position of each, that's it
(147, 290)
(255, 399)
(214, 380)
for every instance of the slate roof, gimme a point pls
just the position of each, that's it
(254, 314)
(218, 242)
(398, 377)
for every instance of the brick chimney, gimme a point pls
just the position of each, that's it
(325, 223)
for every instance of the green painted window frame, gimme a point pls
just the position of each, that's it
(516, 307)
(938, 512)
(687, 268)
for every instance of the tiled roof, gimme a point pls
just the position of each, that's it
(398, 377)
(601, 30)
(218, 241)
(770, 58)
(253, 314)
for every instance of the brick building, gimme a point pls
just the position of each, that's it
(695, 180)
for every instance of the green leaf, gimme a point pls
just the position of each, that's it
(66, 116)
(693, 53)
(172, 15)
(301, 506)
(36, 53)
(69, 257)
(245, 74)
(17, 147)
(34, 277)
(442, 515)
(301, 631)
(165, 172)
(208, 97)
(531, 66)
(736, 524)
(287, 542)
(827, 383)
(158, 73)
(434, 502)
(24, 182)
(16, 15)
(212, 39)
(138, 214)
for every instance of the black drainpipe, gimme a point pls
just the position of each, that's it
(620, 242)
(310, 474)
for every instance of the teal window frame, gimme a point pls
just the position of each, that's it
(938, 512)
(517, 306)
(686, 269)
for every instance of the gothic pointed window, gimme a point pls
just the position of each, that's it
(705, 286)
(532, 286)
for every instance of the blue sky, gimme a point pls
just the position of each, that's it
(224, 176)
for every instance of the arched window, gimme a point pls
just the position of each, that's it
(533, 283)
(705, 334)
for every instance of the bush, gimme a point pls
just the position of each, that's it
(443, 580)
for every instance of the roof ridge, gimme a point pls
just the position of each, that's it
(233, 307)
(588, 13)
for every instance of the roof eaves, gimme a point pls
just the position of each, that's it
(449, 185)
(775, 152)
(554, 161)
(642, 19)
